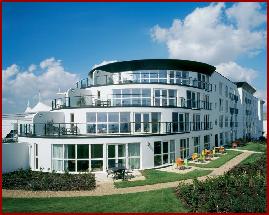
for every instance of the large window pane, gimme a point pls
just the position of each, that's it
(146, 93)
(121, 150)
(157, 147)
(125, 117)
(134, 149)
(102, 128)
(82, 151)
(165, 147)
(70, 165)
(116, 93)
(134, 163)
(91, 117)
(157, 160)
(82, 165)
(97, 165)
(113, 128)
(57, 151)
(69, 151)
(91, 128)
(97, 151)
(113, 117)
(102, 117)
(111, 151)
(126, 93)
(124, 127)
(57, 165)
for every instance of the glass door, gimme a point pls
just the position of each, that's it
(116, 155)
(142, 123)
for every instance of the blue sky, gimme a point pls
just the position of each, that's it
(84, 34)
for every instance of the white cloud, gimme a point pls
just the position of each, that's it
(246, 15)
(235, 72)
(19, 86)
(214, 34)
(32, 68)
(103, 63)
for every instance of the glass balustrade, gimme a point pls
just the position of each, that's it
(99, 129)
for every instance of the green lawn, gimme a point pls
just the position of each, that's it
(156, 176)
(257, 147)
(152, 201)
(251, 159)
(220, 161)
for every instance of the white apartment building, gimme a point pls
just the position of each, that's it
(141, 114)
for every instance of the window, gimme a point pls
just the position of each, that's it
(164, 152)
(134, 155)
(36, 155)
(116, 155)
(156, 119)
(180, 122)
(110, 122)
(220, 88)
(226, 91)
(131, 97)
(184, 148)
(220, 104)
(96, 157)
(172, 151)
(191, 99)
(207, 141)
(226, 137)
(221, 139)
(226, 106)
(179, 77)
(196, 122)
(165, 97)
(196, 143)
(221, 121)
(226, 121)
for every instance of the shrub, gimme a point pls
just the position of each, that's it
(242, 189)
(34, 180)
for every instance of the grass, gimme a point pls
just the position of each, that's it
(156, 176)
(251, 159)
(152, 201)
(220, 161)
(257, 147)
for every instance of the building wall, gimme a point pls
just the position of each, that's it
(15, 156)
(224, 107)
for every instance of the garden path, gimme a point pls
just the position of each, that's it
(109, 189)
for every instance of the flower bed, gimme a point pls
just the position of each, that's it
(35, 180)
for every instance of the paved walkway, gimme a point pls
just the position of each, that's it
(109, 189)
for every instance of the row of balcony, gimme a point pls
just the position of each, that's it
(88, 101)
(117, 129)
(107, 80)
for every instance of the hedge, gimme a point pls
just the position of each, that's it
(37, 180)
(242, 189)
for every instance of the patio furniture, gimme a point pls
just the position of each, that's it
(179, 163)
(194, 156)
(186, 163)
(120, 173)
(234, 145)
(222, 149)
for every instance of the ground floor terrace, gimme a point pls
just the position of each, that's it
(100, 154)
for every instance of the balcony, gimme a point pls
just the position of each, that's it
(88, 101)
(147, 78)
(51, 129)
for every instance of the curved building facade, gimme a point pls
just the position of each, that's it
(141, 114)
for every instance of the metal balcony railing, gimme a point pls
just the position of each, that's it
(111, 128)
(116, 101)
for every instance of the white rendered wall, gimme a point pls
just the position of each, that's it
(15, 156)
